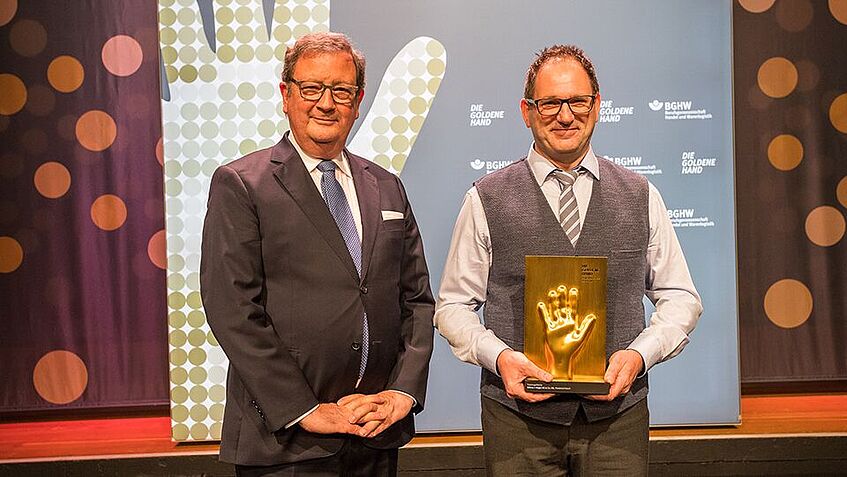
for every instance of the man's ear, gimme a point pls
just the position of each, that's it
(596, 110)
(283, 88)
(359, 97)
(525, 111)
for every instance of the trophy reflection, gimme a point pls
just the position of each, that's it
(566, 331)
(565, 323)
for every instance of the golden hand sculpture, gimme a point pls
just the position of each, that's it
(566, 332)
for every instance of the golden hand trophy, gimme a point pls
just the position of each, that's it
(566, 332)
(565, 327)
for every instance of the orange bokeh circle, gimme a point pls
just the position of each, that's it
(838, 9)
(8, 8)
(65, 73)
(60, 377)
(108, 212)
(841, 191)
(825, 226)
(52, 180)
(756, 6)
(122, 55)
(777, 77)
(96, 130)
(156, 250)
(788, 303)
(11, 254)
(14, 94)
(785, 152)
(838, 113)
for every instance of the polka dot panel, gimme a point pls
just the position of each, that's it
(401, 103)
(213, 94)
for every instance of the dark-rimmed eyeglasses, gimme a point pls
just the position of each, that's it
(342, 93)
(551, 106)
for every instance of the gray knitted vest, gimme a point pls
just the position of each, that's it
(521, 223)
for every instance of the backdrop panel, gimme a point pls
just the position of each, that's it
(444, 81)
(666, 113)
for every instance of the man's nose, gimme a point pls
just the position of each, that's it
(326, 101)
(565, 114)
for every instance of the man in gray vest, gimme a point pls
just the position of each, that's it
(562, 199)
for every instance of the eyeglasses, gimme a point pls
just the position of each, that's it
(551, 106)
(313, 91)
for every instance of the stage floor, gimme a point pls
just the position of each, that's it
(136, 437)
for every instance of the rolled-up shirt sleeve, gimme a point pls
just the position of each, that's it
(464, 286)
(669, 287)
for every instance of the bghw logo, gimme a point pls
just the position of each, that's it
(489, 166)
(637, 164)
(688, 218)
(679, 110)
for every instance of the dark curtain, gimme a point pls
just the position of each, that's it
(791, 156)
(82, 253)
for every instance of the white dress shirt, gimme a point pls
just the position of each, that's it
(465, 280)
(345, 178)
(342, 174)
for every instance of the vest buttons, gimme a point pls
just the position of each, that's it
(356, 346)
(363, 289)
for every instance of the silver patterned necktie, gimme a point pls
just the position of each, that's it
(568, 209)
(336, 200)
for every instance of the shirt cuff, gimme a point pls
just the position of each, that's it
(650, 350)
(296, 421)
(489, 351)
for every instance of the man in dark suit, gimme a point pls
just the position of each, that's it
(315, 284)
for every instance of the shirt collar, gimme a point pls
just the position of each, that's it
(541, 167)
(311, 163)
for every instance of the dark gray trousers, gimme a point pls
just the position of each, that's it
(353, 460)
(518, 445)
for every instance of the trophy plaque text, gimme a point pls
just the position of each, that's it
(565, 323)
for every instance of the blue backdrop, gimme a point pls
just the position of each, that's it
(665, 73)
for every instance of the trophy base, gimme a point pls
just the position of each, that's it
(566, 387)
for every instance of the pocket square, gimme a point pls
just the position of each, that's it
(391, 215)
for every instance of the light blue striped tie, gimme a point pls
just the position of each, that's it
(340, 210)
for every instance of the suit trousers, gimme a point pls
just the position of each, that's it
(353, 460)
(514, 444)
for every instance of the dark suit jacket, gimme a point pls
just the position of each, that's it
(285, 302)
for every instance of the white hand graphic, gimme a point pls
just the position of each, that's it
(222, 61)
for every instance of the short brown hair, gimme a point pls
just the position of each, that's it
(559, 52)
(323, 42)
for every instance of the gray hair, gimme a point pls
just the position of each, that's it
(323, 42)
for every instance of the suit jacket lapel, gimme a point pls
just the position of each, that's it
(367, 190)
(295, 179)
